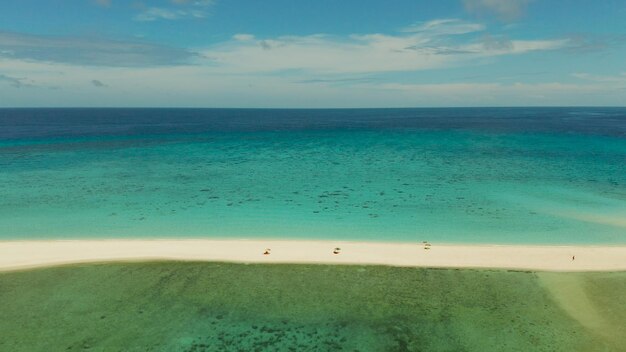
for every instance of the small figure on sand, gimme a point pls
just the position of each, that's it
(267, 251)
(337, 250)
(426, 245)
(573, 257)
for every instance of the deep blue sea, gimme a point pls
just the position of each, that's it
(462, 175)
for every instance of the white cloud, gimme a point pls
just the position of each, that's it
(445, 27)
(506, 10)
(243, 37)
(89, 51)
(198, 85)
(499, 94)
(200, 3)
(431, 45)
(285, 71)
(157, 13)
(186, 9)
(618, 78)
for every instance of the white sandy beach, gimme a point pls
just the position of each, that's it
(15, 255)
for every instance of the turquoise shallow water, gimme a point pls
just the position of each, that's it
(356, 181)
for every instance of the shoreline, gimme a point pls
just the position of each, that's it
(27, 254)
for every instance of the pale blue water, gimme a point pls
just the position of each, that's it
(443, 175)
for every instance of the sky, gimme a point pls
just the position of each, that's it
(312, 53)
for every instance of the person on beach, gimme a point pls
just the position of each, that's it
(337, 250)
(573, 257)
(267, 251)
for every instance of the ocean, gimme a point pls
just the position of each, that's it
(462, 175)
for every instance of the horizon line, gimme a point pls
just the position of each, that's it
(314, 108)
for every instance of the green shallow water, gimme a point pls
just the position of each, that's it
(173, 306)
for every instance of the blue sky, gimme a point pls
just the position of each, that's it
(314, 53)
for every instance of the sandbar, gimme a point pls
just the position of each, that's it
(16, 255)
